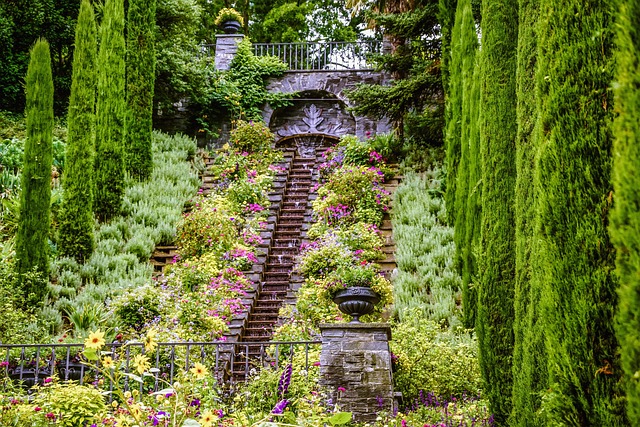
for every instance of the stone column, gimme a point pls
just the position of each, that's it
(355, 365)
(226, 48)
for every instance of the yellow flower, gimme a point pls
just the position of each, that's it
(199, 371)
(150, 340)
(107, 362)
(95, 340)
(207, 419)
(141, 362)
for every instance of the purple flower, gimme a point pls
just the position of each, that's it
(279, 408)
(285, 380)
(195, 402)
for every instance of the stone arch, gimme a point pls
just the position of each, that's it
(329, 87)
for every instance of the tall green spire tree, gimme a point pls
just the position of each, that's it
(494, 323)
(573, 172)
(76, 216)
(466, 48)
(35, 199)
(141, 72)
(625, 217)
(529, 368)
(110, 113)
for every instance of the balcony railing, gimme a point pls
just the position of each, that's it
(306, 56)
(322, 56)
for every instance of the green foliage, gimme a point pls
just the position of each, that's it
(287, 23)
(241, 92)
(75, 405)
(180, 72)
(529, 360)
(625, 223)
(572, 177)
(110, 113)
(141, 73)
(433, 359)
(75, 234)
(32, 250)
(494, 323)
(466, 48)
(426, 284)
(253, 137)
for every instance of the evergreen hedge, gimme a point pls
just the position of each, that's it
(141, 73)
(32, 248)
(625, 217)
(577, 260)
(110, 113)
(76, 217)
(494, 323)
(467, 47)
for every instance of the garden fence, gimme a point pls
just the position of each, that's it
(30, 364)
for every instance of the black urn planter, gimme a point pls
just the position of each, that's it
(231, 27)
(26, 376)
(356, 301)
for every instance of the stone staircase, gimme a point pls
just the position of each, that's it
(292, 209)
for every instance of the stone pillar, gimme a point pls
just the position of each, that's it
(226, 48)
(355, 365)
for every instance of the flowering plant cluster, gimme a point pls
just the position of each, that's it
(217, 240)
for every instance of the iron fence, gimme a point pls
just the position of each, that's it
(30, 364)
(305, 56)
(322, 55)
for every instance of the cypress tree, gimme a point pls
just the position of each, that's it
(529, 361)
(473, 213)
(494, 323)
(76, 216)
(35, 199)
(577, 260)
(529, 369)
(625, 217)
(468, 45)
(141, 64)
(453, 118)
(110, 112)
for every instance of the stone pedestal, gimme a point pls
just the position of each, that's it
(355, 365)
(226, 48)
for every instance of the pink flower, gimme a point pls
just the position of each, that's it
(37, 409)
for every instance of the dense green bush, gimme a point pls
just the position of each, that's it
(625, 220)
(433, 359)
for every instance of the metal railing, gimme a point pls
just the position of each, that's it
(306, 56)
(30, 364)
(322, 55)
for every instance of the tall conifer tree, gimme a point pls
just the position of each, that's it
(577, 260)
(625, 218)
(468, 45)
(494, 323)
(529, 367)
(76, 216)
(453, 117)
(35, 199)
(141, 72)
(110, 113)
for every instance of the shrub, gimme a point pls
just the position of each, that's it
(254, 137)
(138, 307)
(75, 405)
(434, 360)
